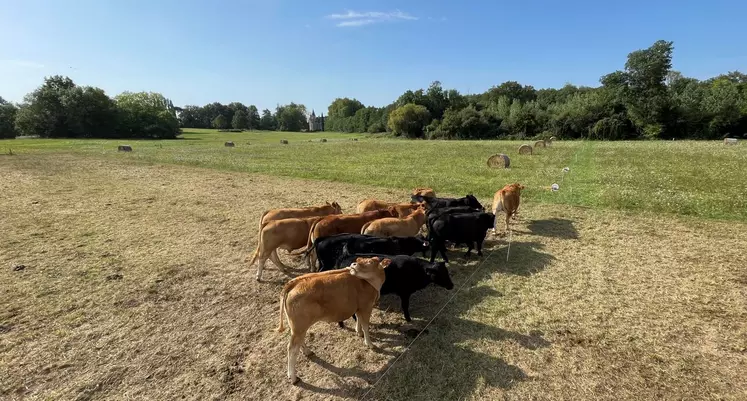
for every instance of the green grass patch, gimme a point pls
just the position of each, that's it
(704, 179)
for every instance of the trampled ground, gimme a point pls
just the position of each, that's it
(134, 287)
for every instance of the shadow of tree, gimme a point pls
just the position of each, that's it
(555, 227)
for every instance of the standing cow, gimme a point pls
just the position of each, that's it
(459, 228)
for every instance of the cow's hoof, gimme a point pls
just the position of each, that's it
(295, 381)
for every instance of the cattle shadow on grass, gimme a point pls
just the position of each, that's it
(555, 227)
(455, 356)
(449, 360)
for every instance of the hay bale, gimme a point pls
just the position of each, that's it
(229, 144)
(730, 141)
(525, 149)
(539, 144)
(284, 141)
(499, 160)
(124, 148)
(324, 139)
(552, 138)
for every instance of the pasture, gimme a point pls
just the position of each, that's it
(628, 283)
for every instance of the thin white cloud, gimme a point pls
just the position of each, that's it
(356, 22)
(21, 63)
(357, 18)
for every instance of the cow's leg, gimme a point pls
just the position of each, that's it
(276, 260)
(469, 249)
(508, 217)
(295, 343)
(406, 306)
(260, 267)
(341, 324)
(313, 259)
(306, 351)
(479, 246)
(364, 316)
(442, 250)
(434, 249)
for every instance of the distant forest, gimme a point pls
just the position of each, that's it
(645, 100)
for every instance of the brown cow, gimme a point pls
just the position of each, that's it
(424, 192)
(341, 224)
(288, 234)
(330, 296)
(507, 200)
(396, 227)
(403, 209)
(311, 211)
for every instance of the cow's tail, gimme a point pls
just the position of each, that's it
(259, 239)
(283, 298)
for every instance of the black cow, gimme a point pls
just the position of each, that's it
(405, 276)
(436, 203)
(330, 249)
(459, 228)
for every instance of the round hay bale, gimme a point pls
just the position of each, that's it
(525, 149)
(124, 148)
(284, 141)
(552, 138)
(324, 139)
(499, 160)
(730, 141)
(229, 144)
(539, 144)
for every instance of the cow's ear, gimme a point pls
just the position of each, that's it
(384, 263)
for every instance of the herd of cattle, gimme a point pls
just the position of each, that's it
(356, 257)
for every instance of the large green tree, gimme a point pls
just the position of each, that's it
(7, 119)
(146, 115)
(291, 117)
(409, 120)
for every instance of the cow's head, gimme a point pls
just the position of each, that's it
(486, 220)
(370, 269)
(336, 209)
(439, 275)
(414, 244)
(473, 202)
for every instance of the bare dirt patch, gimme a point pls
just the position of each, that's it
(134, 287)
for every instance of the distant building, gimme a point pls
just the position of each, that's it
(316, 123)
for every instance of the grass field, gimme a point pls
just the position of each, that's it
(628, 283)
(704, 179)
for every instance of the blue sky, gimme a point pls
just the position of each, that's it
(273, 51)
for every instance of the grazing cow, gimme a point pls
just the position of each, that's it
(332, 297)
(407, 275)
(279, 214)
(417, 192)
(396, 227)
(288, 234)
(403, 209)
(459, 228)
(436, 203)
(507, 200)
(330, 249)
(340, 224)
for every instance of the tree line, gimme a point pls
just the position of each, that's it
(645, 100)
(61, 109)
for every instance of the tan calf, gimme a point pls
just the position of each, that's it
(287, 213)
(424, 192)
(330, 296)
(403, 209)
(288, 234)
(396, 227)
(507, 200)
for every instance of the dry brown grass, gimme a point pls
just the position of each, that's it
(135, 288)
